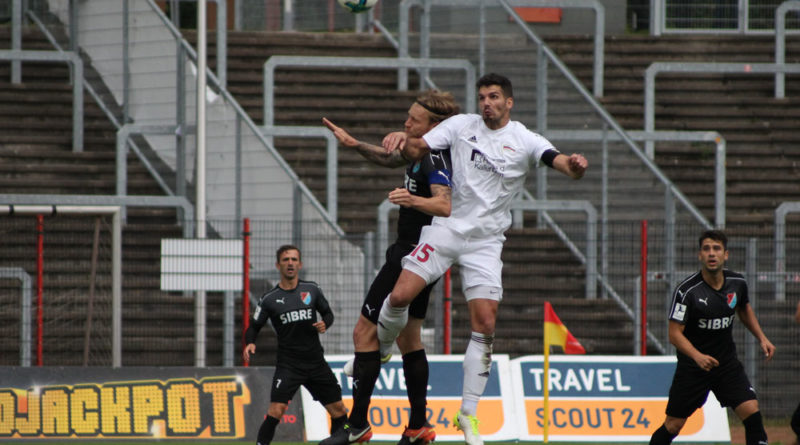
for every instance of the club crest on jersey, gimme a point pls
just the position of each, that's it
(416, 167)
(305, 297)
(731, 300)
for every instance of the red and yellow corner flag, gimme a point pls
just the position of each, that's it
(555, 333)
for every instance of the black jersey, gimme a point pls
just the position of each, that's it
(292, 314)
(433, 168)
(708, 314)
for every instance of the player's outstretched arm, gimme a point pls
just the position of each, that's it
(574, 165)
(676, 337)
(372, 153)
(748, 318)
(412, 149)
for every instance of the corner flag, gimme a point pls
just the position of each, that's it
(555, 333)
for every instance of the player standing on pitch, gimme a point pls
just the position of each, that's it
(426, 192)
(491, 157)
(291, 307)
(700, 327)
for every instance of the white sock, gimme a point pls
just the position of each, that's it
(390, 322)
(477, 364)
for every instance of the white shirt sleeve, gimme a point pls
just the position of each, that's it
(445, 134)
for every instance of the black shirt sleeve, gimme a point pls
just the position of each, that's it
(324, 310)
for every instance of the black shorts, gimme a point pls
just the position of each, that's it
(690, 387)
(319, 381)
(383, 284)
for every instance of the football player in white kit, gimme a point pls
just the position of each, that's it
(491, 156)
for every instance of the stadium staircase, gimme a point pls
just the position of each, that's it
(763, 158)
(36, 157)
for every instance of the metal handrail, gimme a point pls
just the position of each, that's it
(604, 114)
(255, 129)
(656, 68)
(361, 62)
(666, 135)
(780, 246)
(780, 42)
(26, 290)
(76, 63)
(599, 30)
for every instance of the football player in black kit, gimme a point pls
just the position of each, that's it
(700, 327)
(291, 307)
(426, 192)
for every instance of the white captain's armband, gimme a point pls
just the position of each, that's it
(678, 312)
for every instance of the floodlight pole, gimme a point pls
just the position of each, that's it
(200, 183)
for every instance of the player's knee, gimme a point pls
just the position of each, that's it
(277, 410)
(364, 335)
(674, 425)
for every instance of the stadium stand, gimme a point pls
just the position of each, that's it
(36, 157)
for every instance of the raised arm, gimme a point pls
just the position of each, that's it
(411, 148)
(372, 153)
(574, 165)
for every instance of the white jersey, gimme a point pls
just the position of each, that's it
(489, 168)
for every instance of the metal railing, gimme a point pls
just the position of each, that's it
(424, 35)
(76, 65)
(702, 68)
(25, 330)
(780, 43)
(361, 62)
(664, 136)
(780, 246)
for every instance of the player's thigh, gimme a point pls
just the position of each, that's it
(285, 383)
(437, 249)
(384, 281)
(688, 392)
(323, 386)
(480, 265)
(731, 385)
(419, 307)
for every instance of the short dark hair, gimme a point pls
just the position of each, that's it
(716, 235)
(283, 249)
(496, 79)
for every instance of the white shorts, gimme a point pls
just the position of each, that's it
(478, 258)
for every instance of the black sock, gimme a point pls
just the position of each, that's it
(337, 423)
(754, 433)
(415, 367)
(366, 369)
(796, 422)
(267, 430)
(662, 436)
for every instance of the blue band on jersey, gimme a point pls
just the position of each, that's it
(440, 177)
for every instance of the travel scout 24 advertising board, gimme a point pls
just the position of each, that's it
(592, 399)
